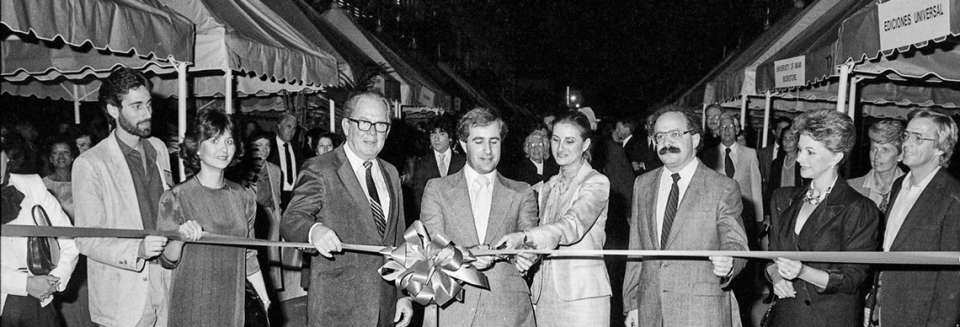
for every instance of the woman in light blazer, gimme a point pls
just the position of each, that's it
(25, 298)
(573, 214)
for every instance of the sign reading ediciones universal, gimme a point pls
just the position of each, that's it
(790, 72)
(906, 22)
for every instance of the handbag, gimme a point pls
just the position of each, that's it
(255, 315)
(43, 253)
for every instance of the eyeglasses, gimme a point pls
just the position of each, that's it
(673, 136)
(914, 137)
(364, 125)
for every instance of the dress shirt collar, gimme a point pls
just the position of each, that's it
(733, 148)
(471, 175)
(686, 173)
(356, 164)
(627, 139)
(446, 154)
(870, 180)
(923, 183)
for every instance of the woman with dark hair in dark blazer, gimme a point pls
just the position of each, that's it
(826, 216)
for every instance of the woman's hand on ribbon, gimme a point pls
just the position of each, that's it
(518, 240)
(784, 289)
(41, 287)
(789, 269)
(190, 231)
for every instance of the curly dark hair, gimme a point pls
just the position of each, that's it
(116, 85)
(210, 123)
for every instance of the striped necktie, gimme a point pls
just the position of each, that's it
(375, 200)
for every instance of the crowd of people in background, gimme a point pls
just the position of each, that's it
(671, 180)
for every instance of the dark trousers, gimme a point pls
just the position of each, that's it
(26, 311)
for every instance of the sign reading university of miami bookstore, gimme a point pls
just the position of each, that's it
(790, 72)
(906, 22)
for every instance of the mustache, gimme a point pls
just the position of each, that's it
(669, 149)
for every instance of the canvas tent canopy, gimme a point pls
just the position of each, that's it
(888, 81)
(60, 49)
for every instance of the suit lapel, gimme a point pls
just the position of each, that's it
(820, 216)
(500, 202)
(789, 217)
(650, 216)
(460, 200)
(350, 181)
(688, 202)
(926, 204)
(394, 213)
(431, 161)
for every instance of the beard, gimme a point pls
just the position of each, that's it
(135, 129)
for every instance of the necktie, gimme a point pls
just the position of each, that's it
(289, 158)
(375, 200)
(884, 202)
(671, 211)
(442, 165)
(481, 206)
(728, 165)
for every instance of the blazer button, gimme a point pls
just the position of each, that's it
(144, 279)
(807, 302)
(123, 262)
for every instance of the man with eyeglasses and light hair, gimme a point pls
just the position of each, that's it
(923, 215)
(355, 197)
(683, 205)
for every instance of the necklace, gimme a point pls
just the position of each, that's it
(201, 183)
(815, 200)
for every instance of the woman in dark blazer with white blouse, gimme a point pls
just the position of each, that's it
(827, 215)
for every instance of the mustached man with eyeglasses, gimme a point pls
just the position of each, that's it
(350, 196)
(683, 205)
(923, 215)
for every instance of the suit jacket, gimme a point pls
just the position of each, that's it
(273, 178)
(747, 174)
(346, 290)
(425, 168)
(765, 159)
(525, 171)
(275, 154)
(577, 222)
(685, 292)
(845, 221)
(105, 196)
(446, 210)
(636, 149)
(924, 296)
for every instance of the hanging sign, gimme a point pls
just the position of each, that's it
(426, 97)
(790, 72)
(906, 22)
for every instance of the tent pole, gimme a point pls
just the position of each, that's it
(76, 104)
(852, 102)
(842, 92)
(228, 90)
(766, 117)
(333, 116)
(181, 68)
(703, 117)
(743, 111)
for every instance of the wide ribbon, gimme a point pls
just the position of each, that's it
(431, 270)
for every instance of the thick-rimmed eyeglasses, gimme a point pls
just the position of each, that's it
(914, 137)
(364, 125)
(672, 136)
